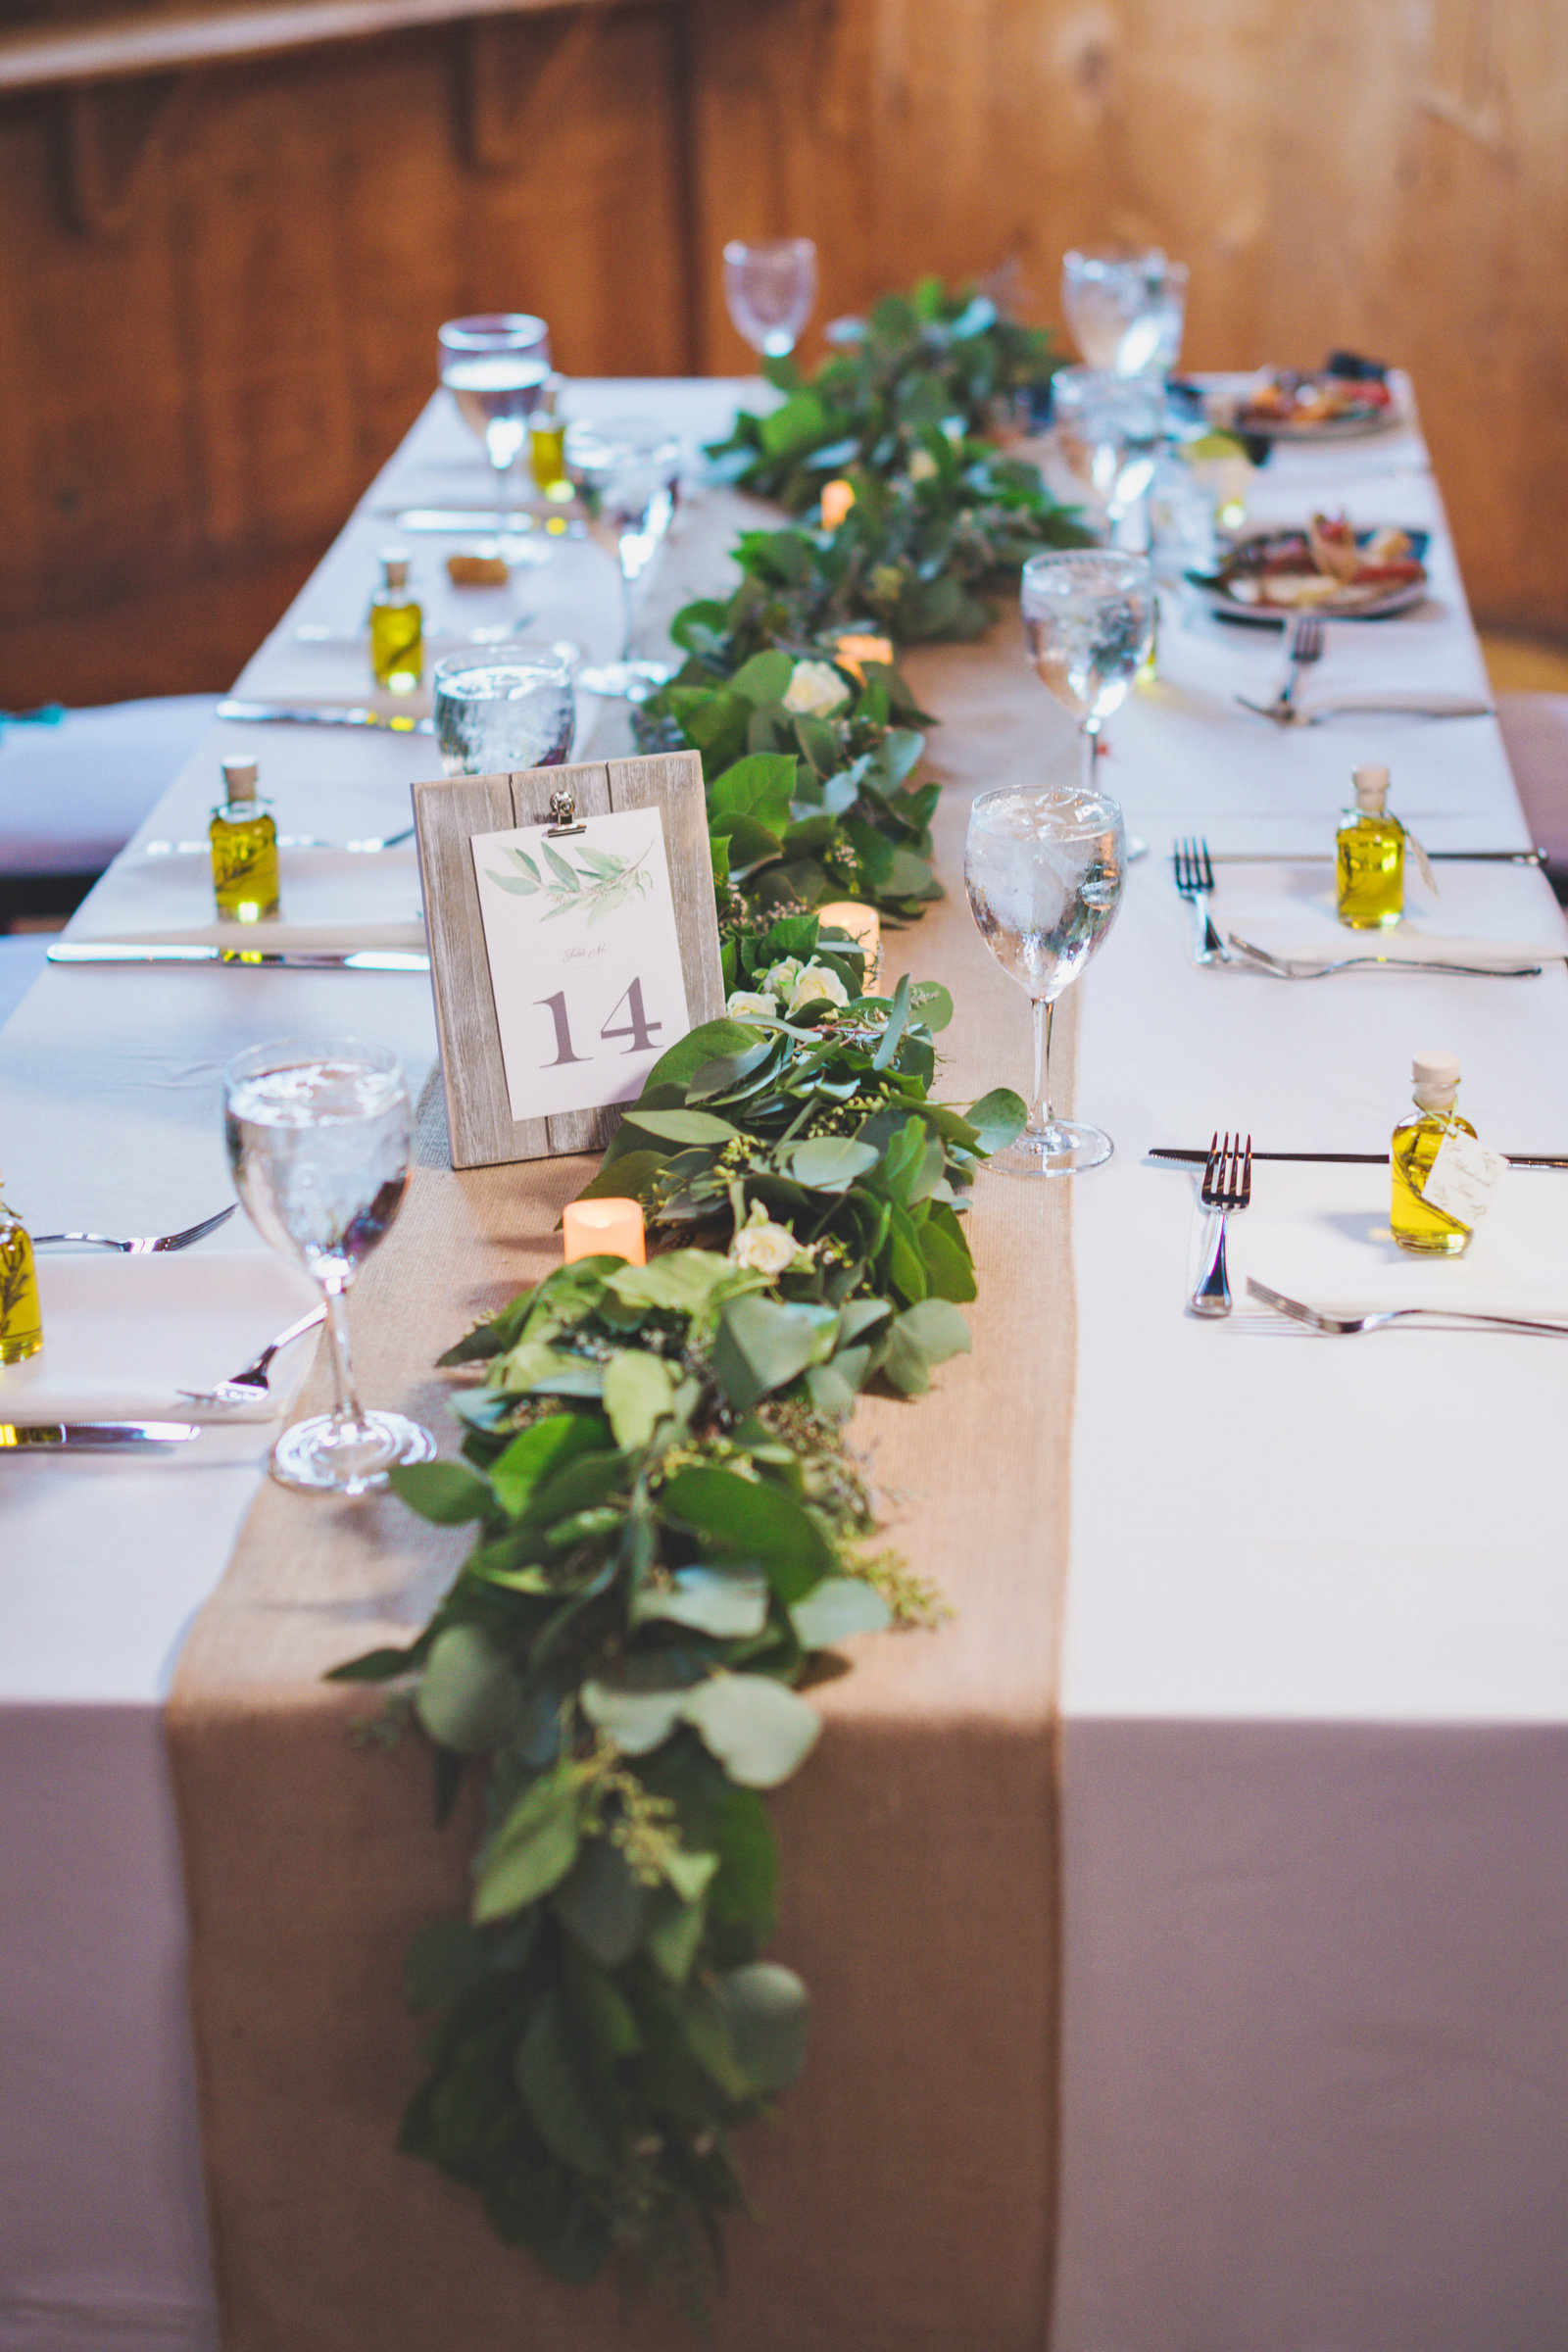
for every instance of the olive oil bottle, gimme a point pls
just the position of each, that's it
(20, 1321)
(396, 630)
(244, 842)
(1369, 857)
(547, 442)
(1419, 1225)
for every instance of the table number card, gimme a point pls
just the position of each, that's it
(566, 953)
(579, 925)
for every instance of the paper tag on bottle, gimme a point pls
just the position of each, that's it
(1462, 1176)
(1423, 863)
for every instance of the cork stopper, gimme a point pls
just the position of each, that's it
(394, 569)
(1436, 1079)
(1371, 789)
(239, 780)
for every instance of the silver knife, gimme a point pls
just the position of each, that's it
(96, 1437)
(324, 714)
(1198, 1157)
(291, 960)
(1326, 857)
(287, 840)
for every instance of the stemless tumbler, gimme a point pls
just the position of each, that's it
(509, 708)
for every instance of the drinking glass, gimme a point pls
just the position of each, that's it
(1088, 617)
(1044, 867)
(509, 708)
(318, 1129)
(626, 472)
(495, 367)
(1126, 311)
(1110, 429)
(771, 289)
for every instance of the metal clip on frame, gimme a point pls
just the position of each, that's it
(564, 809)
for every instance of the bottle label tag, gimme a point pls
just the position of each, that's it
(1461, 1179)
(1423, 863)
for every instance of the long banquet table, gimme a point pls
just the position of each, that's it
(1315, 1691)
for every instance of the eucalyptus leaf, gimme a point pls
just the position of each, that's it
(556, 2094)
(730, 1603)
(682, 1126)
(602, 1903)
(443, 1491)
(469, 1696)
(998, 1118)
(637, 1721)
(757, 1728)
(533, 1847)
(751, 1522)
(829, 1163)
(638, 1391)
(836, 1608)
(768, 2012)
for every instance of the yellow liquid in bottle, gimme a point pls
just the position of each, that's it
(244, 842)
(547, 453)
(1369, 871)
(21, 1319)
(397, 643)
(1418, 1227)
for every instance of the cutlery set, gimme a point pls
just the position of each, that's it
(1303, 646)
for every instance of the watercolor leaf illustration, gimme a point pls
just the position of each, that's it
(598, 885)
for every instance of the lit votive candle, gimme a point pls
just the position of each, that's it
(855, 652)
(864, 928)
(837, 500)
(604, 1229)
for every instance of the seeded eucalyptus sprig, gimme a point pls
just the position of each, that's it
(668, 1531)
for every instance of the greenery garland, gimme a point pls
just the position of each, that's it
(670, 1529)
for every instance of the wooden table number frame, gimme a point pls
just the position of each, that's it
(448, 813)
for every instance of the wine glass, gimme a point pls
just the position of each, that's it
(1088, 617)
(1126, 311)
(318, 1131)
(1044, 867)
(496, 366)
(771, 289)
(1110, 429)
(509, 708)
(626, 472)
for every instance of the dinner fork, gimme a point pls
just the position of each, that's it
(1303, 645)
(245, 1387)
(1194, 874)
(1345, 1326)
(145, 1244)
(1297, 968)
(1226, 1190)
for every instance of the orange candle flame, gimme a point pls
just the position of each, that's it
(837, 500)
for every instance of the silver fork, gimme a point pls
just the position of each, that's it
(1303, 645)
(144, 1244)
(1342, 1326)
(245, 1387)
(1285, 968)
(1227, 1189)
(1194, 875)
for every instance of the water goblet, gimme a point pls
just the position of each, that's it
(1126, 311)
(496, 366)
(509, 708)
(319, 1132)
(626, 472)
(1110, 429)
(1044, 867)
(1088, 617)
(770, 290)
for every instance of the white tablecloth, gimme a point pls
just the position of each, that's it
(1316, 1702)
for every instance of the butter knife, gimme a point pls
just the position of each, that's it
(96, 1437)
(1198, 1156)
(1326, 857)
(324, 714)
(291, 960)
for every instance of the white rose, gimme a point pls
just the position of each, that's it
(781, 977)
(763, 1246)
(743, 1004)
(814, 983)
(816, 688)
(922, 465)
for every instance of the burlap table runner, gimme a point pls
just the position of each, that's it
(906, 2190)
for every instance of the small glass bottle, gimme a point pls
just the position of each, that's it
(1369, 857)
(21, 1320)
(547, 442)
(396, 630)
(1418, 1226)
(244, 842)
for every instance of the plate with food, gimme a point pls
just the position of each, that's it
(1340, 402)
(1329, 568)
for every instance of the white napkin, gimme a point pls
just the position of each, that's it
(1486, 915)
(1411, 943)
(122, 1336)
(334, 901)
(1322, 1235)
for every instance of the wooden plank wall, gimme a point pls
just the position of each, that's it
(218, 295)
